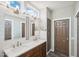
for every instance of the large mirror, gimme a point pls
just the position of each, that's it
(14, 28)
(17, 30)
(35, 27)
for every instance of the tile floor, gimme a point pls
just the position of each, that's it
(53, 54)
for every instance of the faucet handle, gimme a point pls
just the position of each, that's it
(17, 43)
(20, 43)
(13, 46)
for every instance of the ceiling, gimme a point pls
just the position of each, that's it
(52, 4)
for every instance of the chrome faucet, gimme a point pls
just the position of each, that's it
(35, 38)
(13, 46)
(17, 43)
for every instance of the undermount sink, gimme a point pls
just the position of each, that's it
(23, 46)
(15, 49)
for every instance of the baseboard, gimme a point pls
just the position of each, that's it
(50, 50)
(71, 56)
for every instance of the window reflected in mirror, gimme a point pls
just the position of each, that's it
(8, 29)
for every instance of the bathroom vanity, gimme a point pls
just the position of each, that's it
(18, 29)
(31, 49)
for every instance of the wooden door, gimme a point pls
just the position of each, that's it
(23, 29)
(33, 29)
(44, 49)
(7, 30)
(48, 34)
(62, 36)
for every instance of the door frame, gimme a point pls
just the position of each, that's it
(50, 34)
(75, 31)
(69, 33)
(11, 28)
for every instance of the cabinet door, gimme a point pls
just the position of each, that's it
(27, 54)
(40, 51)
(44, 49)
(36, 52)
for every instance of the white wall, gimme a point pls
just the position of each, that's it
(1, 29)
(49, 16)
(75, 26)
(76, 7)
(63, 12)
(49, 13)
(43, 23)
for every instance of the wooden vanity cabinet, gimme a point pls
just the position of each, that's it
(39, 51)
(44, 50)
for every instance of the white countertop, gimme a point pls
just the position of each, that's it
(14, 52)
